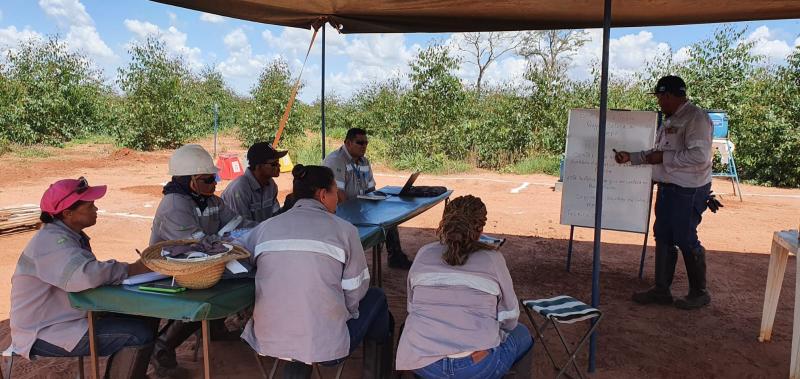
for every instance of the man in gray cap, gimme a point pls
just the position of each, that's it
(681, 162)
(254, 195)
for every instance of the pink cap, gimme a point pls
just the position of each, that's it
(63, 193)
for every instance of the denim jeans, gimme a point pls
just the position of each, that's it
(495, 365)
(679, 211)
(373, 323)
(112, 333)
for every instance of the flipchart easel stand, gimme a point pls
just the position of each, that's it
(644, 244)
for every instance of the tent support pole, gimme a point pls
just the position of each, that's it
(601, 148)
(322, 94)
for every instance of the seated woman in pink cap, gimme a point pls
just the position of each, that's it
(59, 260)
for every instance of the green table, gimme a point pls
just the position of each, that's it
(230, 296)
(226, 298)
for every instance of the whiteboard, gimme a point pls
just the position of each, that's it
(626, 189)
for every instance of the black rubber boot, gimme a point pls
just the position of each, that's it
(666, 258)
(164, 359)
(698, 296)
(397, 259)
(129, 363)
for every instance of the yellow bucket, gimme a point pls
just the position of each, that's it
(286, 163)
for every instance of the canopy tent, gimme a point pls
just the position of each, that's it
(393, 16)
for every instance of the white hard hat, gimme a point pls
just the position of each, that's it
(191, 159)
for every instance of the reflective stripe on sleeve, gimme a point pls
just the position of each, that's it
(355, 283)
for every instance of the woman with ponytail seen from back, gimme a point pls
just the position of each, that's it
(313, 301)
(462, 310)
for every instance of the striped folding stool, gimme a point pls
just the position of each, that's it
(562, 310)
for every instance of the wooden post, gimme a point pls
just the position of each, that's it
(206, 356)
(93, 347)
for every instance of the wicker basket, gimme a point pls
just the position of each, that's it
(194, 275)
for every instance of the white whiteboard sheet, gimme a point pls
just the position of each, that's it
(626, 188)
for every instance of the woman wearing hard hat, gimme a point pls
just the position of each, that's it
(59, 260)
(189, 210)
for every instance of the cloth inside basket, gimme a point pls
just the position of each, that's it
(204, 248)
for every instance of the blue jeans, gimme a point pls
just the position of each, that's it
(495, 365)
(679, 211)
(373, 323)
(112, 333)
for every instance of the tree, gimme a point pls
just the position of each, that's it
(50, 95)
(483, 49)
(263, 113)
(552, 48)
(159, 104)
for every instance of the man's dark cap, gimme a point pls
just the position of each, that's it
(670, 84)
(261, 152)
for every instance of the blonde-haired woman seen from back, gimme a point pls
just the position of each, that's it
(462, 310)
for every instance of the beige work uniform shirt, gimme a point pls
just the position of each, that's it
(354, 178)
(179, 217)
(56, 261)
(455, 309)
(311, 276)
(246, 197)
(685, 138)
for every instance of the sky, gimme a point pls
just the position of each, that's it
(104, 30)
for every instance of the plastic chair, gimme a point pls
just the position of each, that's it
(725, 148)
(10, 354)
(562, 310)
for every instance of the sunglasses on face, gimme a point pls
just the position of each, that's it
(273, 164)
(82, 186)
(362, 143)
(207, 179)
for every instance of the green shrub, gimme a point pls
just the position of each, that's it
(262, 114)
(536, 164)
(49, 95)
(158, 108)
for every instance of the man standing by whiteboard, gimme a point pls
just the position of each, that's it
(681, 162)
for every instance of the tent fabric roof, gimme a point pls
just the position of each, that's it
(404, 16)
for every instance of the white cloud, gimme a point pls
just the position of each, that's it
(768, 44)
(87, 39)
(174, 40)
(628, 54)
(212, 18)
(81, 34)
(797, 42)
(236, 39)
(682, 55)
(10, 37)
(66, 12)
(364, 58)
(173, 18)
(241, 64)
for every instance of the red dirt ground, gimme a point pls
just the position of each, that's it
(719, 341)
